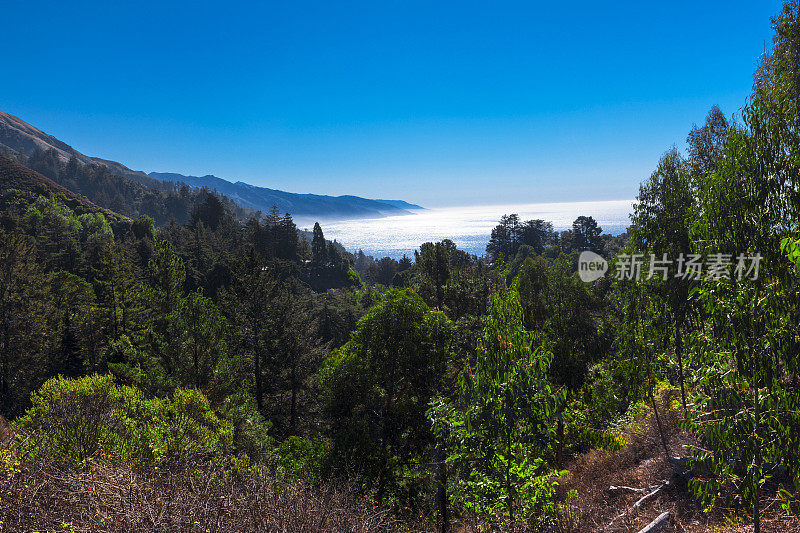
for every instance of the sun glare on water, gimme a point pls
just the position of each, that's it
(468, 227)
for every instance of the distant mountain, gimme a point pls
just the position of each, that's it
(402, 204)
(299, 205)
(19, 137)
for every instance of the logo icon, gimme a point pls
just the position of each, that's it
(591, 266)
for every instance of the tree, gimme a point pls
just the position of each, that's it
(210, 212)
(502, 422)
(300, 353)
(249, 307)
(198, 340)
(377, 388)
(381, 271)
(287, 244)
(319, 249)
(586, 235)
(433, 261)
(705, 145)
(536, 234)
(504, 239)
(638, 359)
(661, 220)
(26, 319)
(748, 206)
(558, 307)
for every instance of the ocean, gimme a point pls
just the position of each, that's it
(468, 227)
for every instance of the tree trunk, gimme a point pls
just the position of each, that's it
(4, 378)
(441, 490)
(679, 352)
(755, 361)
(257, 371)
(660, 427)
(757, 466)
(560, 450)
(509, 489)
(386, 434)
(293, 408)
(196, 359)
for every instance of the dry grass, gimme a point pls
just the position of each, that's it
(642, 463)
(105, 497)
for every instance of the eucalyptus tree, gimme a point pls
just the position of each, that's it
(502, 423)
(639, 345)
(660, 230)
(749, 206)
(559, 308)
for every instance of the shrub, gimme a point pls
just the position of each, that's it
(72, 417)
(353, 278)
(80, 418)
(302, 458)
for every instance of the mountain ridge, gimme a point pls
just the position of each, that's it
(299, 204)
(20, 137)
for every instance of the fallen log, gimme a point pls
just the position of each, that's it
(614, 489)
(657, 524)
(639, 503)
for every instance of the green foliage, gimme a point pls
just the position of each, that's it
(511, 233)
(791, 247)
(434, 262)
(246, 316)
(144, 227)
(586, 235)
(595, 410)
(74, 419)
(378, 385)
(196, 341)
(503, 421)
(354, 278)
(303, 458)
(746, 388)
(27, 314)
(132, 198)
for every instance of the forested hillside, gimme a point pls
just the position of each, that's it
(220, 374)
(165, 195)
(160, 201)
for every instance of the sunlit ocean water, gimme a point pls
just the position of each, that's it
(468, 227)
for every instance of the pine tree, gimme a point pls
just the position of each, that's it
(319, 249)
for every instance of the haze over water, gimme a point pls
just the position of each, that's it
(469, 227)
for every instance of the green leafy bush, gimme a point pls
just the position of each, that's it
(354, 278)
(303, 458)
(75, 419)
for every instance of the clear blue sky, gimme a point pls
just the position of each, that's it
(440, 103)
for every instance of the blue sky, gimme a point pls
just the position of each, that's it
(439, 103)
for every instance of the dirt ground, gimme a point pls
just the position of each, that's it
(642, 464)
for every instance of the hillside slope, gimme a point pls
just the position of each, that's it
(262, 199)
(19, 137)
(18, 181)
